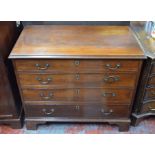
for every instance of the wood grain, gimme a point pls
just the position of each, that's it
(102, 95)
(76, 65)
(106, 80)
(95, 111)
(47, 41)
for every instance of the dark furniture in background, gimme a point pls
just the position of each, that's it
(10, 103)
(144, 105)
(95, 23)
(77, 73)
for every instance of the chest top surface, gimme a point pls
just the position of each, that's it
(48, 41)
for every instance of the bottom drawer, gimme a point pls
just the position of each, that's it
(93, 111)
(148, 107)
(150, 94)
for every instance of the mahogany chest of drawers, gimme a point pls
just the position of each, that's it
(77, 73)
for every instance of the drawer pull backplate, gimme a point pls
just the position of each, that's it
(111, 79)
(108, 94)
(43, 96)
(46, 112)
(109, 66)
(106, 113)
(47, 81)
(42, 68)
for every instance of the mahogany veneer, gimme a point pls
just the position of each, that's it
(77, 73)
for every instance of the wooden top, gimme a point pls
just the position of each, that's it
(48, 41)
(147, 43)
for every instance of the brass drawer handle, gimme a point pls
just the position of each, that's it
(109, 66)
(108, 94)
(50, 96)
(48, 80)
(110, 79)
(77, 62)
(42, 68)
(51, 111)
(106, 113)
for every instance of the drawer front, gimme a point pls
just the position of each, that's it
(104, 95)
(151, 81)
(77, 80)
(148, 107)
(97, 111)
(77, 66)
(150, 94)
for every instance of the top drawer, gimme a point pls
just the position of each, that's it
(77, 66)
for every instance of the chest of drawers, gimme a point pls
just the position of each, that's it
(145, 98)
(77, 73)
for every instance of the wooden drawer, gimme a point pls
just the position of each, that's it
(151, 81)
(148, 107)
(77, 80)
(104, 95)
(96, 111)
(149, 94)
(77, 66)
